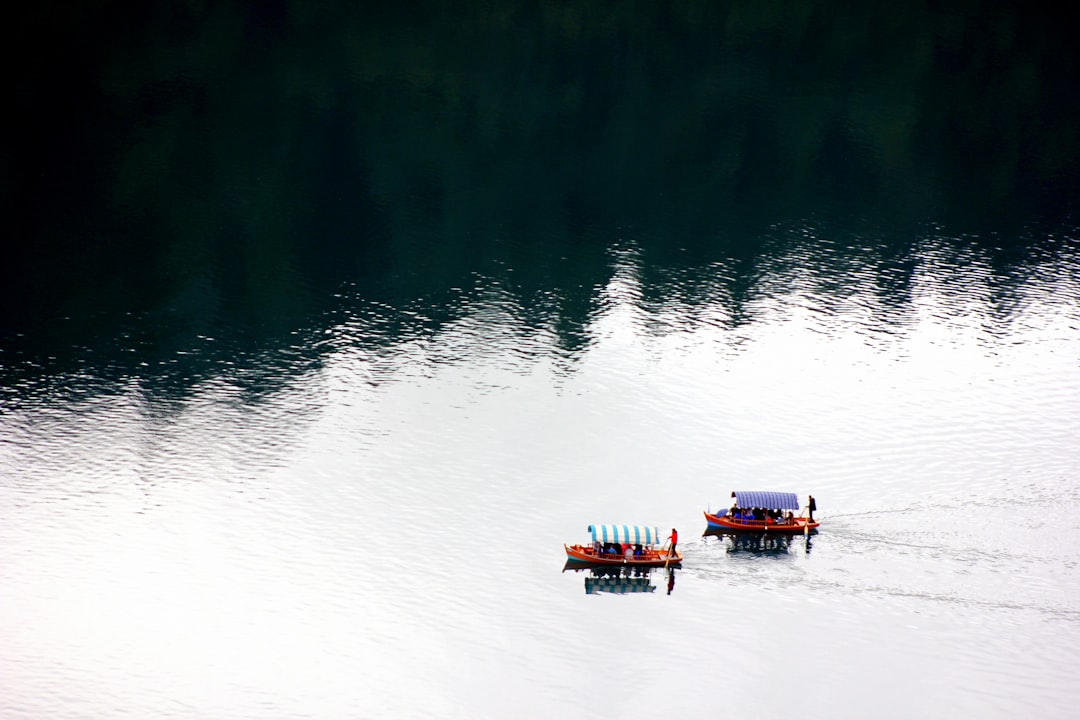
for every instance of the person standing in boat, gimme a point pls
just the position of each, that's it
(811, 506)
(674, 538)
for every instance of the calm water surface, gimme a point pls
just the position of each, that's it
(311, 363)
(382, 537)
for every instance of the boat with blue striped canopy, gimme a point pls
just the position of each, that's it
(762, 512)
(639, 545)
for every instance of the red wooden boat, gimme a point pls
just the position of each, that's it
(622, 545)
(738, 520)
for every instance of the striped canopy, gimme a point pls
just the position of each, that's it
(767, 500)
(633, 534)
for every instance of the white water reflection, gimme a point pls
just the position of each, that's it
(327, 551)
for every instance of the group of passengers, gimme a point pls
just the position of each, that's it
(769, 517)
(626, 550)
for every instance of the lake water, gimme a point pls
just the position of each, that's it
(323, 331)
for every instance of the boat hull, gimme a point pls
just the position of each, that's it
(797, 526)
(585, 555)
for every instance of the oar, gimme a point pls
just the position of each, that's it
(671, 551)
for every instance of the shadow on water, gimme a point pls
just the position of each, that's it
(223, 172)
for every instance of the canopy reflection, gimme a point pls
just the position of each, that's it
(755, 543)
(623, 581)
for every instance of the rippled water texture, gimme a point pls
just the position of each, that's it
(381, 536)
(322, 328)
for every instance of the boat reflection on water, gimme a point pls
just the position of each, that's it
(623, 580)
(762, 543)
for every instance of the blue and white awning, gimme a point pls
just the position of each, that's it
(633, 534)
(767, 500)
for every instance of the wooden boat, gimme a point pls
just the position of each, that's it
(643, 543)
(786, 503)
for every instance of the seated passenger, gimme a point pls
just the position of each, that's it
(638, 552)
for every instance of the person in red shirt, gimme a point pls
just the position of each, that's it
(674, 538)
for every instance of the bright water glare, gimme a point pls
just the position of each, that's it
(382, 535)
(324, 326)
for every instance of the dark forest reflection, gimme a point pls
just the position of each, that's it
(185, 172)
